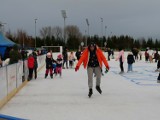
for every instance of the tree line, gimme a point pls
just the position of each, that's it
(54, 36)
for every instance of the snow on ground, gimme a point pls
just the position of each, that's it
(131, 96)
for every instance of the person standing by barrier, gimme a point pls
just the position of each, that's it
(30, 66)
(35, 64)
(92, 58)
(121, 59)
(78, 54)
(14, 55)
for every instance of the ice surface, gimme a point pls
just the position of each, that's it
(131, 96)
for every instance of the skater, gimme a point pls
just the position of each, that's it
(156, 55)
(121, 59)
(59, 65)
(78, 54)
(150, 52)
(30, 66)
(130, 61)
(92, 58)
(71, 60)
(146, 55)
(65, 57)
(158, 69)
(49, 62)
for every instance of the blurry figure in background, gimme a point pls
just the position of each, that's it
(158, 70)
(109, 53)
(59, 65)
(24, 54)
(146, 55)
(14, 55)
(30, 66)
(135, 53)
(35, 63)
(0, 60)
(156, 55)
(121, 59)
(150, 52)
(78, 54)
(71, 60)
(65, 57)
(49, 62)
(130, 61)
(112, 53)
(140, 54)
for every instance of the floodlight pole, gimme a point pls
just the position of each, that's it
(63, 12)
(35, 32)
(88, 29)
(102, 31)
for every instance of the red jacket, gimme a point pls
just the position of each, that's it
(85, 58)
(31, 62)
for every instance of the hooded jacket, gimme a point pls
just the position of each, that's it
(85, 58)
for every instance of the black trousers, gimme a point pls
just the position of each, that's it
(30, 73)
(121, 66)
(35, 73)
(65, 61)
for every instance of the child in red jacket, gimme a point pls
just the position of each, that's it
(30, 66)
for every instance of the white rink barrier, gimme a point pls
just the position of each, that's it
(14, 77)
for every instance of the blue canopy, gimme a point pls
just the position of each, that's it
(4, 43)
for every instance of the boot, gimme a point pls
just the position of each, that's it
(51, 76)
(45, 76)
(98, 89)
(90, 92)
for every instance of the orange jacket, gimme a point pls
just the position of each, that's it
(85, 58)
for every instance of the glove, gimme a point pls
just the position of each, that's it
(77, 68)
(107, 69)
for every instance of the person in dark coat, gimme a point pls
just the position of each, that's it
(158, 69)
(156, 55)
(78, 54)
(65, 57)
(49, 64)
(130, 61)
(35, 64)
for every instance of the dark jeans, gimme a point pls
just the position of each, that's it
(121, 66)
(35, 73)
(30, 73)
(65, 61)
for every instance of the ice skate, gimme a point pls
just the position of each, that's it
(99, 89)
(90, 92)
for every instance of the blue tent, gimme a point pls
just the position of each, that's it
(4, 43)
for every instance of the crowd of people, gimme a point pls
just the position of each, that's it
(92, 58)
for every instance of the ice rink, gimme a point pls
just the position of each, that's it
(131, 96)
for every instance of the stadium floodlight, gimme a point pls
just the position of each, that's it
(35, 32)
(63, 12)
(88, 28)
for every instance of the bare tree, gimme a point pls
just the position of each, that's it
(73, 30)
(57, 31)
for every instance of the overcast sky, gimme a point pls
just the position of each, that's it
(137, 18)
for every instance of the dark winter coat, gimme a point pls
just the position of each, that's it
(35, 60)
(49, 63)
(93, 61)
(65, 55)
(130, 59)
(78, 55)
(59, 62)
(158, 64)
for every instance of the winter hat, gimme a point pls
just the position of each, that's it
(59, 56)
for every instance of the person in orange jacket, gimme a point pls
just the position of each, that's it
(92, 59)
